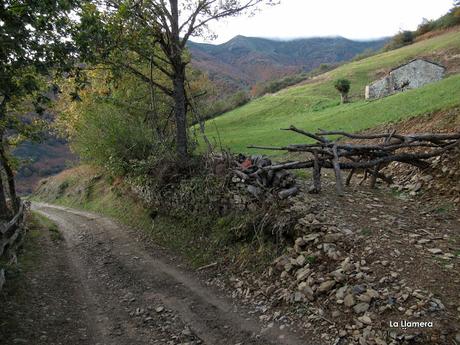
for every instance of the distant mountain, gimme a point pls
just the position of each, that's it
(40, 160)
(244, 61)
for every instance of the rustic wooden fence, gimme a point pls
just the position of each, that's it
(370, 157)
(11, 237)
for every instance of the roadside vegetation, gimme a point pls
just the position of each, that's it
(31, 252)
(49, 41)
(192, 229)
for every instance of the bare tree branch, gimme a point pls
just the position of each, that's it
(369, 157)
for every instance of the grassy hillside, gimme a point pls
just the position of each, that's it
(316, 104)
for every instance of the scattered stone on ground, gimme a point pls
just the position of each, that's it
(346, 277)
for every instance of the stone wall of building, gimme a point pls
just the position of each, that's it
(409, 76)
(379, 88)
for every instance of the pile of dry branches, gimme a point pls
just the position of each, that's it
(371, 157)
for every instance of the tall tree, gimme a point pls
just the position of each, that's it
(164, 28)
(33, 40)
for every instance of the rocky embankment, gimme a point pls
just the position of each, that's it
(441, 179)
(365, 269)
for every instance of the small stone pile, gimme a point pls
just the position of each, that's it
(254, 176)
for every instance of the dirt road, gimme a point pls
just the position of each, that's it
(117, 291)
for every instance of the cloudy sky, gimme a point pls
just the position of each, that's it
(354, 19)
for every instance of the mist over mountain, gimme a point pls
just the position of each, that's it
(244, 61)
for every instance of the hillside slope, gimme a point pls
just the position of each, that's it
(315, 103)
(383, 253)
(41, 160)
(244, 61)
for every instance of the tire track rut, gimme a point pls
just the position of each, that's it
(141, 299)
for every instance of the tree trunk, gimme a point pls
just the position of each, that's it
(344, 97)
(180, 100)
(180, 114)
(10, 179)
(3, 207)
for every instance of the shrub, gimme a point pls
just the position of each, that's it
(113, 124)
(113, 139)
(401, 39)
(343, 86)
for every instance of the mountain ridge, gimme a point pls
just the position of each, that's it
(244, 61)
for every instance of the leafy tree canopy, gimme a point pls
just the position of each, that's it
(342, 85)
(153, 33)
(33, 39)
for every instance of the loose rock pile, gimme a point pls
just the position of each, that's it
(345, 299)
(441, 178)
(253, 175)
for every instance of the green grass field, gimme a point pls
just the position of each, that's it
(316, 104)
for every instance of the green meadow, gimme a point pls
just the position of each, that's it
(316, 104)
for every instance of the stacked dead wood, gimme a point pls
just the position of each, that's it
(258, 178)
(330, 151)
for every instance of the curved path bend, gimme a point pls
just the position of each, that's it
(135, 296)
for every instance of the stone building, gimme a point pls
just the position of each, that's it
(411, 75)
